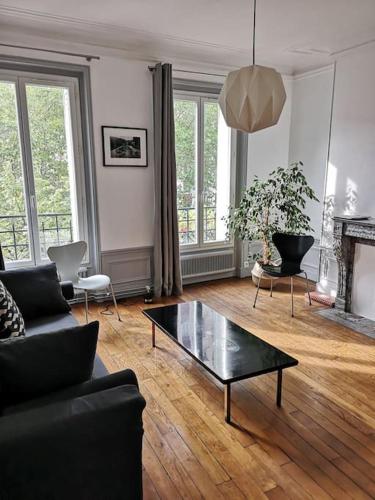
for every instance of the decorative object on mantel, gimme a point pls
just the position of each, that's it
(271, 206)
(252, 97)
(124, 147)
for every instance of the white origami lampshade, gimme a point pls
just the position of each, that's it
(252, 98)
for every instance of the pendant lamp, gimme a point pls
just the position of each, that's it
(253, 97)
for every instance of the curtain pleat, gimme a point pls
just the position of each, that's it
(167, 268)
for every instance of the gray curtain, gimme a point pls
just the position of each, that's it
(167, 269)
(2, 264)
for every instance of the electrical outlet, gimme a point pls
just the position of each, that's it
(246, 263)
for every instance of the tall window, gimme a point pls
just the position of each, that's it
(42, 196)
(204, 180)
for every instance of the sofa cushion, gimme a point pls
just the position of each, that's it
(37, 365)
(49, 324)
(124, 377)
(58, 322)
(11, 320)
(36, 290)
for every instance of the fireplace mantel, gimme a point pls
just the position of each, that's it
(346, 233)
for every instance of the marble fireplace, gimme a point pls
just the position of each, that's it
(346, 233)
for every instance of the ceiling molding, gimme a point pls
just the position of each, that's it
(36, 43)
(152, 53)
(129, 40)
(356, 47)
(314, 72)
(181, 65)
(99, 27)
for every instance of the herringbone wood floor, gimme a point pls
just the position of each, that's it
(320, 444)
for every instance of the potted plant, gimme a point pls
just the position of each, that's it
(269, 206)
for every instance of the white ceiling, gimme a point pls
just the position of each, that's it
(293, 35)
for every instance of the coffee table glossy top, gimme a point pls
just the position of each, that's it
(226, 350)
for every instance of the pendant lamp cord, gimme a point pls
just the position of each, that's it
(255, 9)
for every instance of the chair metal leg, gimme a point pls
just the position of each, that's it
(307, 287)
(256, 295)
(271, 287)
(87, 306)
(115, 302)
(291, 292)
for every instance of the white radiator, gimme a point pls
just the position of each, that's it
(201, 264)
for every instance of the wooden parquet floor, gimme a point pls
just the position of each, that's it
(319, 445)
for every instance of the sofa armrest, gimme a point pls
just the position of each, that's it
(88, 447)
(67, 289)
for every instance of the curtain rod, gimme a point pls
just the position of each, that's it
(88, 57)
(151, 68)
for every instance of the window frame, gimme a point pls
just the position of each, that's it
(201, 98)
(21, 79)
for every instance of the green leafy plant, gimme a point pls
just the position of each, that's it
(272, 205)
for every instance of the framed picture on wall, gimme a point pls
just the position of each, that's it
(124, 147)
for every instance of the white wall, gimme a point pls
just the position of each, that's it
(351, 169)
(269, 148)
(309, 133)
(309, 141)
(353, 133)
(122, 96)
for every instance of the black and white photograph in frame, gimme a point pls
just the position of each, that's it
(124, 147)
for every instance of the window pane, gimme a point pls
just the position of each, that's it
(14, 233)
(216, 175)
(53, 164)
(186, 159)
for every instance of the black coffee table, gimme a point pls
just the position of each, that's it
(223, 348)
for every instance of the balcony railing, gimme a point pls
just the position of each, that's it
(187, 223)
(54, 229)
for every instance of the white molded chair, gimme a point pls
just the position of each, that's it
(68, 259)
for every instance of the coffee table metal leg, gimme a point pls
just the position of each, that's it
(153, 334)
(279, 387)
(227, 402)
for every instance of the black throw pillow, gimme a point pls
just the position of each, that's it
(36, 291)
(35, 366)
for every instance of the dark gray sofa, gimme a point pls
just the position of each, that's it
(81, 442)
(22, 284)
